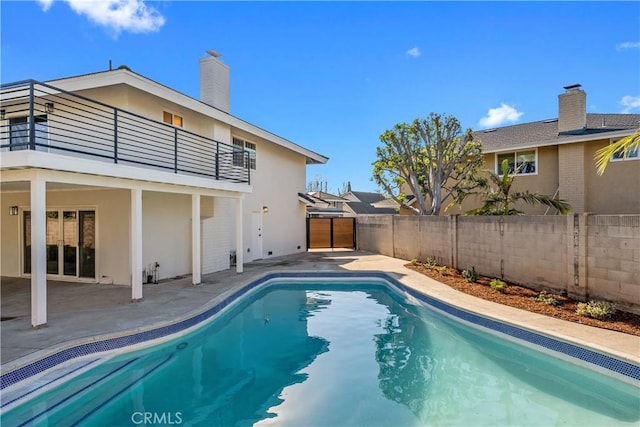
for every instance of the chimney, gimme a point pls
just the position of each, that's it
(214, 82)
(572, 109)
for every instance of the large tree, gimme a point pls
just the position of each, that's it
(431, 159)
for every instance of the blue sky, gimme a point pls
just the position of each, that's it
(333, 76)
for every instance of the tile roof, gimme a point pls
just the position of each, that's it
(545, 132)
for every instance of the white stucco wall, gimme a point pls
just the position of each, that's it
(218, 236)
(166, 232)
(112, 233)
(279, 176)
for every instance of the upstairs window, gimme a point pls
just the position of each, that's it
(621, 155)
(172, 119)
(526, 162)
(244, 151)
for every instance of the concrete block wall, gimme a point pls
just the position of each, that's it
(585, 256)
(375, 234)
(613, 259)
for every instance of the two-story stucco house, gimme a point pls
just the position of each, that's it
(556, 157)
(112, 177)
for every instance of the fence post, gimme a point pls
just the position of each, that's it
(453, 232)
(577, 256)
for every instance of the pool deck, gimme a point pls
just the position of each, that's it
(80, 313)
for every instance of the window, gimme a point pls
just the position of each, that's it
(525, 162)
(620, 155)
(19, 133)
(172, 119)
(240, 150)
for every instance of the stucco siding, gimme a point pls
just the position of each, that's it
(279, 176)
(218, 234)
(617, 191)
(112, 234)
(166, 232)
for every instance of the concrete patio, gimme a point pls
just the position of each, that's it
(80, 312)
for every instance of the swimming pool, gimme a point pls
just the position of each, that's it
(340, 353)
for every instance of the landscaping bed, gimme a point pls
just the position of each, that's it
(525, 299)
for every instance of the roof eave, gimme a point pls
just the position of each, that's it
(564, 140)
(138, 81)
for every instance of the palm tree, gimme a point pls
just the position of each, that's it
(624, 146)
(500, 201)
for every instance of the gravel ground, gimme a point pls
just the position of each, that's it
(524, 298)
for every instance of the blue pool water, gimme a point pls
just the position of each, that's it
(328, 354)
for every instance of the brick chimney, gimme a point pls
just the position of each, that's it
(572, 109)
(214, 82)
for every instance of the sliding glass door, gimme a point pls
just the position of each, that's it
(70, 240)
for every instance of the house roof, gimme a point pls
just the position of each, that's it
(361, 203)
(545, 132)
(328, 197)
(124, 75)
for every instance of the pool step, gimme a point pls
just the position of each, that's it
(62, 405)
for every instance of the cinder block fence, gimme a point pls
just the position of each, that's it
(586, 256)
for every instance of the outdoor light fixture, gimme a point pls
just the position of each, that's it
(48, 107)
(2, 113)
(265, 209)
(13, 210)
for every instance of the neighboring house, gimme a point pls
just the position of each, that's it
(351, 204)
(325, 205)
(556, 157)
(361, 203)
(109, 176)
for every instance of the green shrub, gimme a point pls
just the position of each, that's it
(442, 269)
(498, 285)
(414, 261)
(547, 298)
(430, 262)
(470, 275)
(597, 309)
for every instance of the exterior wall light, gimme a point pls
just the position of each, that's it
(48, 107)
(2, 113)
(265, 209)
(13, 210)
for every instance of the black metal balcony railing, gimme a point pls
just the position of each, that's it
(37, 116)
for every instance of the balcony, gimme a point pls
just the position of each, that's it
(40, 117)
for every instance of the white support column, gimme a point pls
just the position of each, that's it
(38, 252)
(196, 264)
(239, 247)
(136, 244)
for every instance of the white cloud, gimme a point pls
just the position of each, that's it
(499, 116)
(628, 45)
(116, 15)
(415, 52)
(630, 103)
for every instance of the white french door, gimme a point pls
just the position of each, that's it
(70, 243)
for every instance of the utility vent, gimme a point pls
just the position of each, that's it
(490, 130)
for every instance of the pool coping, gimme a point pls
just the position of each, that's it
(30, 366)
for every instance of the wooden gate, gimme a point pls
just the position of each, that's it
(331, 233)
